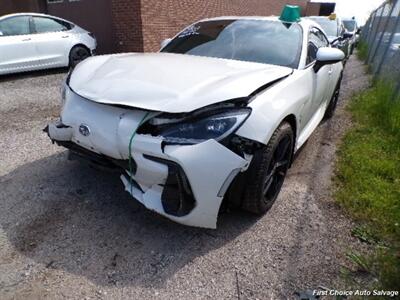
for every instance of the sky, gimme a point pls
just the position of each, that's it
(361, 9)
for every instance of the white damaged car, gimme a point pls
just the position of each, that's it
(217, 114)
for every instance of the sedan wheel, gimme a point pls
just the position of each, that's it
(268, 170)
(277, 170)
(78, 54)
(330, 110)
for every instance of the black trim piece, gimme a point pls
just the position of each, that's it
(267, 85)
(177, 196)
(103, 161)
(319, 64)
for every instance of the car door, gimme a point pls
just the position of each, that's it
(343, 44)
(52, 40)
(321, 78)
(18, 52)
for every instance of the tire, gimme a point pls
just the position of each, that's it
(267, 171)
(78, 54)
(330, 110)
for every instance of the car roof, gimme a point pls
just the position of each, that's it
(304, 22)
(33, 15)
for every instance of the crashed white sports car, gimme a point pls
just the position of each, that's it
(217, 114)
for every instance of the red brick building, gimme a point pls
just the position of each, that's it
(140, 25)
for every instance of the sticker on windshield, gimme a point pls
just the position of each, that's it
(191, 30)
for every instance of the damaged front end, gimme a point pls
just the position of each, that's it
(178, 165)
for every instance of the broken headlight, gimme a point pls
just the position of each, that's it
(216, 126)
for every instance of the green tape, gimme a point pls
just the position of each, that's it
(130, 148)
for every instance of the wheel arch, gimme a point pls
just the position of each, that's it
(75, 46)
(291, 119)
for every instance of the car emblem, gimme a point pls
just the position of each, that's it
(84, 130)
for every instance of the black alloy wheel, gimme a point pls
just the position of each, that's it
(267, 171)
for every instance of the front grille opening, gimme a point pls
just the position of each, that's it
(177, 196)
(95, 159)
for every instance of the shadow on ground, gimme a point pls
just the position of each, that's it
(66, 215)
(32, 74)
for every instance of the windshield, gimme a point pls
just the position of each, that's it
(329, 26)
(350, 25)
(269, 42)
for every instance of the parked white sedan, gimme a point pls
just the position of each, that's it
(217, 114)
(36, 41)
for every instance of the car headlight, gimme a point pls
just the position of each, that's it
(216, 126)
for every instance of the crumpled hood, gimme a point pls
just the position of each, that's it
(169, 82)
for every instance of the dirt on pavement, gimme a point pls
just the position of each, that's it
(69, 231)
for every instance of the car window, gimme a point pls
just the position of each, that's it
(311, 53)
(329, 26)
(316, 40)
(43, 25)
(350, 25)
(15, 26)
(342, 30)
(261, 41)
(322, 38)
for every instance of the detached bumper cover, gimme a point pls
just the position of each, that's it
(203, 171)
(209, 168)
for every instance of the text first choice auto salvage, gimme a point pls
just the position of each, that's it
(355, 293)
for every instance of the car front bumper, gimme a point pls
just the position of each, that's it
(185, 183)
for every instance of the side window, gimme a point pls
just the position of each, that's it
(316, 40)
(15, 26)
(322, 37)
(311, 53)
(43, 25)
(341, 29)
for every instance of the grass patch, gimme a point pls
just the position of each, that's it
(362, 52)
(368, 177)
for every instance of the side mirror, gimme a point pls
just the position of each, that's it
(358, 31)
(347, 35)
(1, 33)
(165, 43)
(327, 56)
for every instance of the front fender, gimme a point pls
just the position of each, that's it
(291, 96)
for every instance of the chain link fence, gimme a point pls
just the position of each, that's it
(381, 34)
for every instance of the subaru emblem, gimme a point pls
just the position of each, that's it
(84, 130)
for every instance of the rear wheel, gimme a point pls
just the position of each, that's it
(268, 170)
(77, 54)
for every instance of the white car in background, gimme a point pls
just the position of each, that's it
(36, 41)
(352, 28)
(218, 113)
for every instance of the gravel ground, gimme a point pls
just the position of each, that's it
(68, 231)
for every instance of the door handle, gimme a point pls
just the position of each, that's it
(330, 71)
(65, 36)
(26, 40)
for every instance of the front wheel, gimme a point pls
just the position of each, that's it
(267, 171)
(330, 111)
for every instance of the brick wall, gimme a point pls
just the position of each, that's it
(142, 24)
(127, 24)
